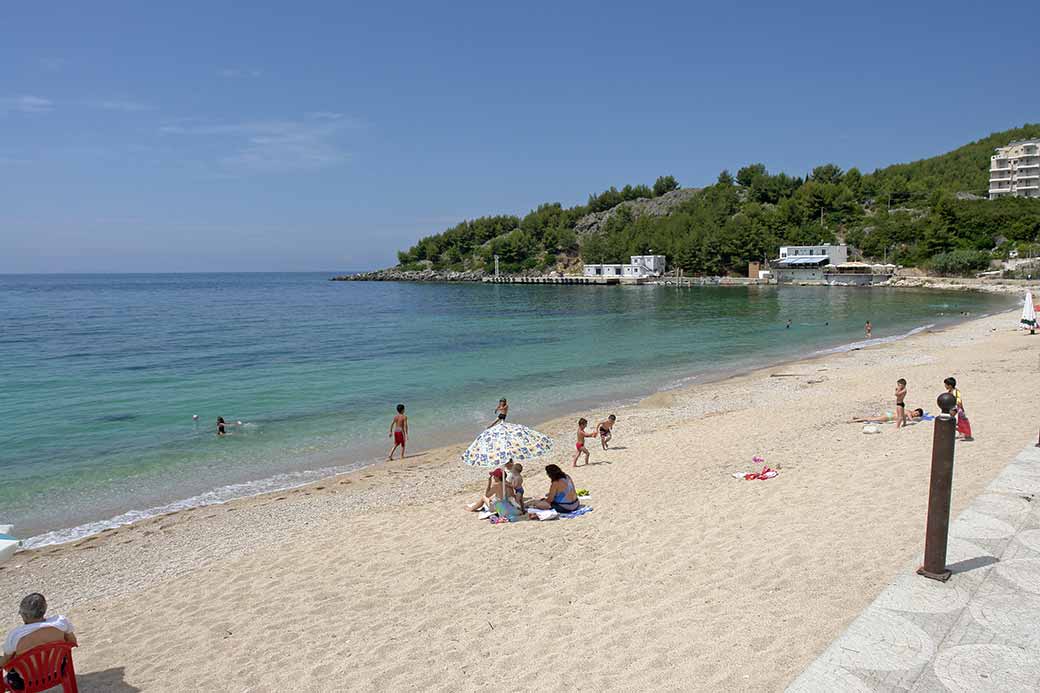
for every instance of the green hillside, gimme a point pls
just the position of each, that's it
(908, 213)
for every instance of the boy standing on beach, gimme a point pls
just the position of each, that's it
(606, 427)
(399, 431)
(963, 425)
(868, 328)
(900, 402)
(580, 445)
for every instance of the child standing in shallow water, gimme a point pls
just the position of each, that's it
(580, 444)
(399, 431)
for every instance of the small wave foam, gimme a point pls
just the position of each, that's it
(853, 346)
(278, 482)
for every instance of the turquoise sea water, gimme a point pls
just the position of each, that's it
(101, 374)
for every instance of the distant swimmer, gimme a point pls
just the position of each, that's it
(221, 424)
(399, 431)
(788, 324)
(194, 417)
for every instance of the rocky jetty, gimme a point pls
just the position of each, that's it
(392, 274)
(644, 206)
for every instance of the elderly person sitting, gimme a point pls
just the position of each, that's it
(37, 630)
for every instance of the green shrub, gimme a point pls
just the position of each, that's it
(959, 263)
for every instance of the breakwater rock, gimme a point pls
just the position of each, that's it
(428, 275)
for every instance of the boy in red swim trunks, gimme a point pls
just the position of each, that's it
(580, 445)
(399, 431)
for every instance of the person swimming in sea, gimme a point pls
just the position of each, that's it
(220, 426)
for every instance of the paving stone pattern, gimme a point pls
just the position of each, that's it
(978, 632)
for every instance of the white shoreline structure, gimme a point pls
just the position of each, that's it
(640, 267)
(828, 264)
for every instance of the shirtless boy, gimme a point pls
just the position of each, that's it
(900, 402)
(606, 427)
(579, 447)
(399, 431)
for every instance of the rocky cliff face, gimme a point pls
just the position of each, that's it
(644, 206)
(396, 275)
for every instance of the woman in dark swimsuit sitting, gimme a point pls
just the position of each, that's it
(561, 496)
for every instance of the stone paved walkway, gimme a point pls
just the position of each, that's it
(978, 632)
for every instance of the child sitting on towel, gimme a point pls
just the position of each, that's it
(515, 481)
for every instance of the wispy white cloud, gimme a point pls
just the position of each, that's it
(26, 103)
(126, 105)
(235, 72)
(275, 146)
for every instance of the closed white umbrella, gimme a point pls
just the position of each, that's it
(1029, 313)
(8, 544)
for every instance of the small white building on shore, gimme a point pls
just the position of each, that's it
(641, 267)
(807, 262)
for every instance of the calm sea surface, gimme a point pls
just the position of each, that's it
(100, 374)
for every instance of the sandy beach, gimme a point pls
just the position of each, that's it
(682, 578)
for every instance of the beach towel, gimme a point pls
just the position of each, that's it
(553, 515)
(766, 473)
(927, 417)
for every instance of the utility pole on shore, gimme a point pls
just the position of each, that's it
(496, 265)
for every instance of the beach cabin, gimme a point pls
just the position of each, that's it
(641, 267)
(807, 262)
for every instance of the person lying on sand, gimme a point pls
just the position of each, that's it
(561, 495)
(914, 415)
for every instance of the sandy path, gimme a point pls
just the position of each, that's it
(681, 579)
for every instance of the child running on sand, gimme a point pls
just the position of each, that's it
(399, 431)
(606, 427)
(900, 402)
(963, 425)
(501, 412)
(580, 444)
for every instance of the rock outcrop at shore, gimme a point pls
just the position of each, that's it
(644, 206)
(993, 286)
(393, 274)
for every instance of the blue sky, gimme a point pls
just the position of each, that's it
(323, 136)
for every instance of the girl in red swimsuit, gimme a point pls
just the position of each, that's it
(580, 445)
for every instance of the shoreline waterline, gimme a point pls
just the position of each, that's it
(288, 481)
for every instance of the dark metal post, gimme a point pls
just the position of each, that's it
(940, 491)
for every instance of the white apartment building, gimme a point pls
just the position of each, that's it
(1014, 171)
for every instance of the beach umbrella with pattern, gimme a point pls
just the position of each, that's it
(1029, 312)
(501, 443)
(507, 441)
